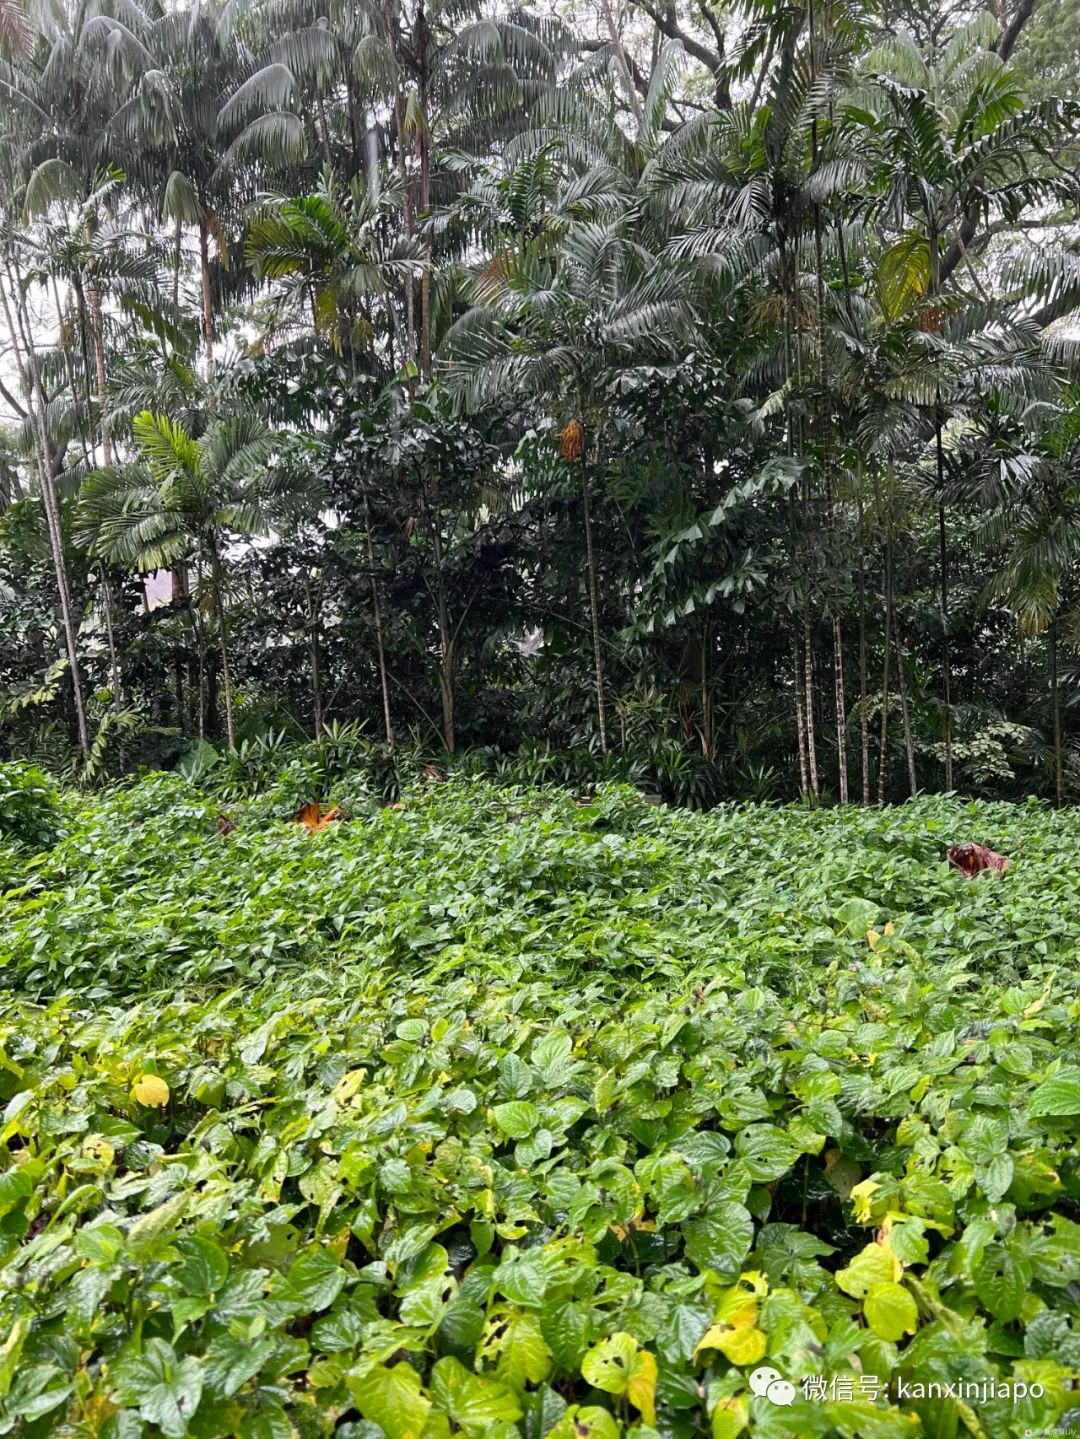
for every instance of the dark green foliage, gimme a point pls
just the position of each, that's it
(29, 807)
(496, 1104)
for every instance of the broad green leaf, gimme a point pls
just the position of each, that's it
(163, 1387)
(891, 1311)
(517, 1118)
(1058, 1095)
(393, 1398)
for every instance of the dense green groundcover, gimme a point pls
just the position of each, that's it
(504, 1114)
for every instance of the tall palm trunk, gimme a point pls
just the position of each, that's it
(594, 610)
(883, 754)
(446, 643)
(901, 684)
(403, 176)
(1055, 701)
(841, 710)
(943, 566)
(97, 334)
(218, 585)
(376, 609)
(800, 727)
(864, 722)
(811, 746)
(38, 406)
(114, 658)
(312, 627)
(421, 51)
(207, 298)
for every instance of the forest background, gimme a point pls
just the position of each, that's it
(644, 389)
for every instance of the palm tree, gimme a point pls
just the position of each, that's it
(558, 330)
(180, 501)
(328, 257)
(1025, 474)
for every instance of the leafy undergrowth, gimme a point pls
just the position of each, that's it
(504, 1115)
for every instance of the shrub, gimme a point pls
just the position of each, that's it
(29, 806)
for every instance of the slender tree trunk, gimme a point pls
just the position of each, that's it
(425, 276)
(312, 625)
(98, 335)
(403, 175)
(883, 756)
(38, 406)
(178, 691)
(77, 407)
(706, 699)
(946, 660)
(218, 580)
(207, 299)
(421, 49)
(316, 683)
(905, 717)
(177, 256)
(446, 640)
(864, 722)
(811, 744)
(800, 728)
(1055, 701)
(841, 709)
(114, 659)
(376, 609)
(594, 611)
(620, 54)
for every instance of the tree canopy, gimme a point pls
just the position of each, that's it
(680, 392)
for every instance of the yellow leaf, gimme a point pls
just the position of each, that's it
(890, 928)
(148, 1089)
(98, 1150)
(862, 1197)
(742, 1346)
(348, 1084)
(872, 938)
(710, 1339)
(729, 1418)
(641, 1391)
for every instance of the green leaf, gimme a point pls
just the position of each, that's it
(472, 1402)
(720, 1240)
(164, 1388)
(1002, 1280)
(392, 1398)
(517, 1118)
(1058, 1095)
(891, 1311)
(203, 1268)
(767, 1152)
(313, 1282)
(231, 1362)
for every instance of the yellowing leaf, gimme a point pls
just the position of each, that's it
(619, 1366)
(348, 1084)
(151, 1091)
(873, 1266)
(641, 1390)
(861, 1196)
(729, 1418)
(891, 1312)
(98, 1150)
(872, 938)
(742, 1346)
